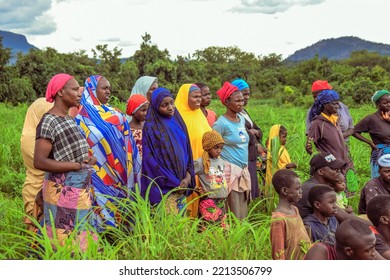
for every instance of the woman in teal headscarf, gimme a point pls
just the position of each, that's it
(377, 125)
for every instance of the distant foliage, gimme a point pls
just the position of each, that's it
(355, 78)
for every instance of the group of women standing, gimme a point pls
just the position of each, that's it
(94, 160)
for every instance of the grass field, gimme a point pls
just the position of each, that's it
(155, 234)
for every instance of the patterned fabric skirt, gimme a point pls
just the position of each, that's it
(67, 206)
(375, 155)
(213, 210)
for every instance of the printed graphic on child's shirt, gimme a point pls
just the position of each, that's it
(216, 177)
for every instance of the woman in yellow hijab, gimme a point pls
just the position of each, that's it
(277, 155)
(187, 102)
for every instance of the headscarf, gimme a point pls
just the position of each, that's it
(142, 85)
(118, 163)
(134, 103)
(166, 151)
(276, 158)
(323, 98)
(195, 120)
(225, 91)
(384, 161)
(209, 140)
(320, 85)
(240, 84)
(56, 83)
(378, 94)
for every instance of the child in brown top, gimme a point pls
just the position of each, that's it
(289, 238)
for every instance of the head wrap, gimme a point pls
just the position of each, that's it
(56, 83)
(142, 85)
(320, 85)
(378, 94)
(209, 140)
(225, 91)
(89, 93)
(134, 103)
(240, 84)
(194, 87)
(158, 96)
(323, 98)
(384, 161)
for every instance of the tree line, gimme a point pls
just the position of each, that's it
(355, 78)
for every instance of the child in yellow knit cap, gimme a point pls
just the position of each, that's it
(210, 169)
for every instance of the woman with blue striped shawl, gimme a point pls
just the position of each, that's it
(109, 137)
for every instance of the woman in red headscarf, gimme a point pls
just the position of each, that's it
(62, 152)
(231, 126)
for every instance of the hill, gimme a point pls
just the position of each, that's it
(338, 48)
(16, 42)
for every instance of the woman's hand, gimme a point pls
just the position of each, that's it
(308, 145)
(91, 160)
(185, 182)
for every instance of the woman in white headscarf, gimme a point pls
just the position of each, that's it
(145, 86)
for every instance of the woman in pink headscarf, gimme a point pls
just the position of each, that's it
(62, 152)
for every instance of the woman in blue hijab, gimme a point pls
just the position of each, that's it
(167, 158)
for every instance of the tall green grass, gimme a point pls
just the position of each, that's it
(156, 234)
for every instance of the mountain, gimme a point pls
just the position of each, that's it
(338, 48)
(16, 42)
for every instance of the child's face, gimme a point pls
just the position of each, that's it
(327, 206)
(364, 248)
(215, 151)
(140, 115)
(283, 137)
(339, 186)
(167, 107)
(294, 192)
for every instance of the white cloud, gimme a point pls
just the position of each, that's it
(271, 6)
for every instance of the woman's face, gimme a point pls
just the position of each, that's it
(384, 103)
(103, 90)
(71, 94)
(331, 108)
(140, 115)
(151, 89)
(167, 107)
(235, 102)
(194, 99)
(245, 93)
(206, 96)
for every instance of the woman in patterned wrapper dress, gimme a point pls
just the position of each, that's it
(109, 137)
(62, 151)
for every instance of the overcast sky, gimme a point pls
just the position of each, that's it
(184, 26)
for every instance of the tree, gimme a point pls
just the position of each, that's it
(148, 54)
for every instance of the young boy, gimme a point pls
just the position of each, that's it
(354, 241)
(322, 224)
(341, 198)
(289, 239)
(210, 169)
(378, 212)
